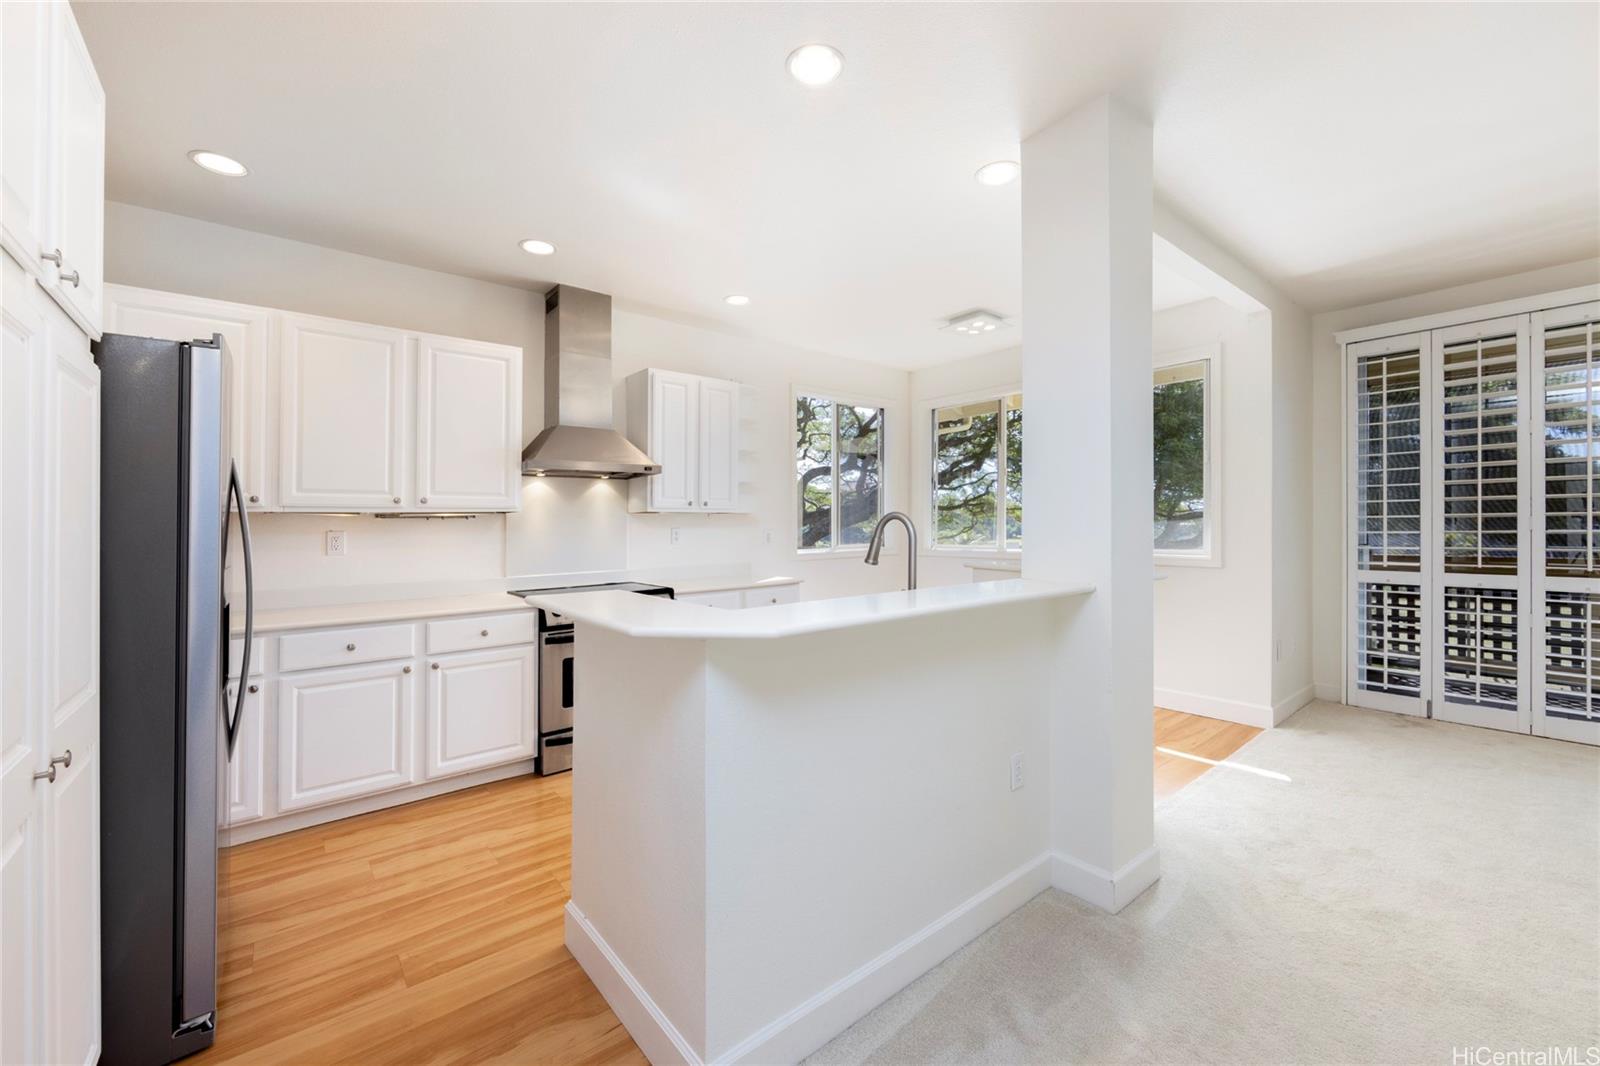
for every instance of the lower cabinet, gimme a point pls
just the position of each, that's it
(247, 765)
(344, 733)
(736, 599)
(478, 710)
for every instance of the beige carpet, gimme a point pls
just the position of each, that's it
(1413, 887)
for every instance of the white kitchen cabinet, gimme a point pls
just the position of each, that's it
(479, 710)
(49, 720)
(689, 425)
(743, 596)
(52, 156)
(248, 332)
(770, 595)
(469, 425)
(342, 415)
(247, 765)
(344, 733)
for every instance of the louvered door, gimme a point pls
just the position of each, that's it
(1479, 422)
(1566, 505)
(1388, 668)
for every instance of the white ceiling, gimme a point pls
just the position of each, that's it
(1348, 152)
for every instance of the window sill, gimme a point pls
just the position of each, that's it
(1012, 555)
(1212, 560)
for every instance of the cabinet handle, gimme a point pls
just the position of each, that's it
(436, 666)
(349, 647)
(405, 669)
(483, 632)
(255, 499)
(51, 257)
(397, 499)
(72, 277)
(423, 500)
(255, 688)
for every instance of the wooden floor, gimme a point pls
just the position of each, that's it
(432, 933)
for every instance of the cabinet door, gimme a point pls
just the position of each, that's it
(344, 733)
(22, 721)
(24, 96)
(342, 419)
(673, 440)
(247, 330)
(469, 425)
(247, 767)
(78, 175)
(480, 710)
(72, 690)
(719, 445)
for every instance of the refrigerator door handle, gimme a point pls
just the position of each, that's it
(237, 493)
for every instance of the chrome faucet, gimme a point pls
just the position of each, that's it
(875, 545)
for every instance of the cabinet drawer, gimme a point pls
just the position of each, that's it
(732, 598)
(342, 647)
(482, 631)
(258, 656)
(772, 594)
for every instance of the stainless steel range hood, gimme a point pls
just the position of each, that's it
(578, 440)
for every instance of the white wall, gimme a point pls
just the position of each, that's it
(1327, 434)
(565, 527)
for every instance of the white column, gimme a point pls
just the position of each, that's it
(1086, 225)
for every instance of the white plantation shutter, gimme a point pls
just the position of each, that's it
(1389, 639)
(1478, 378)
(1567, 484)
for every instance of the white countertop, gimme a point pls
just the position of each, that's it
(693, 586)
(354, 614)
(652, 616)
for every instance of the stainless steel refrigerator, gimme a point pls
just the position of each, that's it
(168, 490)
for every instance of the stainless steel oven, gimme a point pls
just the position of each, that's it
(558, 698)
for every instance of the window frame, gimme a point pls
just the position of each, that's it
(929, 409)
(837, 399)
(1211, 356)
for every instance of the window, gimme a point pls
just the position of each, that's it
(977, 474)
(1185, 487)
(838, 472)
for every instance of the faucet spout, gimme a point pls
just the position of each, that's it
(875, 544)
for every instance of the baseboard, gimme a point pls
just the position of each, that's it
(1259, 715)
(800, 1031)
(649, 1026)
(1289, 704)
(288, 823)
(1106, 890)
(834, 1009)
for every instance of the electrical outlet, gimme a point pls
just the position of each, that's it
(335, 544)
(673, 534)
(1016, 770)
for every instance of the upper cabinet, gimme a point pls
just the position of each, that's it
(469, 425)
(52, 219)
(248, 332)
(690, 425)
(342, 415)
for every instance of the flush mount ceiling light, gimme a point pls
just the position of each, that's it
(815, 64)
(1000, 172)
(218, 163)
(533, 247)
(735, 300)
(975, 323)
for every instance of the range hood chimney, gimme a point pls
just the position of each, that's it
(578, 440)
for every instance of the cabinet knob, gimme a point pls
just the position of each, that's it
(51, 257)
(405, 669)
(397, 499)
(349, 647)
(483, 632)
(72, 277)
(255, 499)
(423, 500)
(436, 666)
(255, 688)
(49, 772)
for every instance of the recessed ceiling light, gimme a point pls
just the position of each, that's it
(533, 247)
(975, 323)
(218, 163)
(815, 64)
(1000, 172)
(736, 300)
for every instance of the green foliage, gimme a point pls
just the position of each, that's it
(1180, 460)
